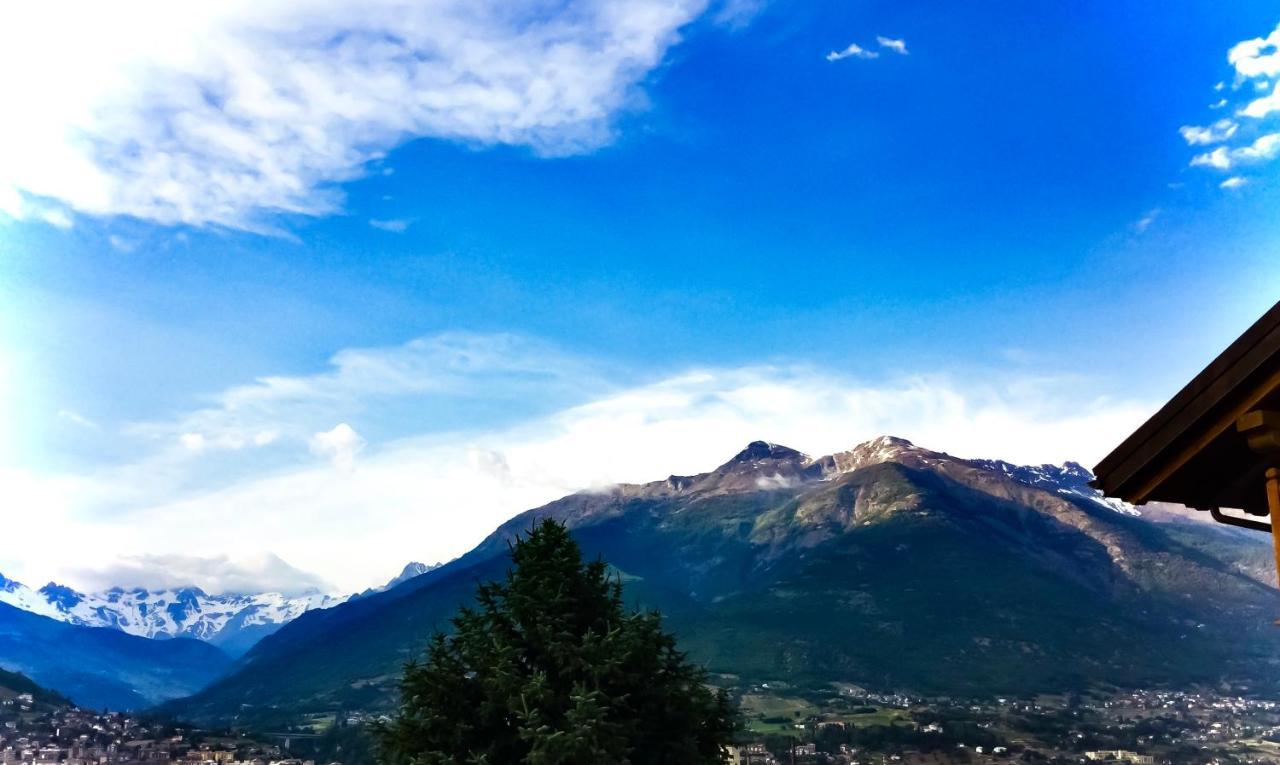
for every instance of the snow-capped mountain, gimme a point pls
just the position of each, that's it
(410, 571)
(231, 621)
(1069, 478)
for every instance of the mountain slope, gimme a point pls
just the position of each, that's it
(14, 684)
(887, 565)
(104, 668)
(234, 622)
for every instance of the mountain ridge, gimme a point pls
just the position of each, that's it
(232, 621)
(887, 564)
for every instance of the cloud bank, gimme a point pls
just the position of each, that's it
(215, 575)
(225, 112)
(432, 495)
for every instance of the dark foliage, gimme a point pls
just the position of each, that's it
(549, 667)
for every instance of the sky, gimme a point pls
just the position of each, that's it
(294, 293)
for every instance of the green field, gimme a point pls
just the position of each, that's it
(768, 713)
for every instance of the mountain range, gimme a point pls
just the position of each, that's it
(134, 648)
(104, 668)
(889, 565)
(231, 621)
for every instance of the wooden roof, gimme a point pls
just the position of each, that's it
(1189, 452)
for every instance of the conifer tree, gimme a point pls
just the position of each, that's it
(550, 668)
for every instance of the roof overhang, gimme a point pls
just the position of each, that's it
(1208, 447)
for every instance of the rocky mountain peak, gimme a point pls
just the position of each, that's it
(411, 570)
(873, 452)
(61, 596)
(758, 451)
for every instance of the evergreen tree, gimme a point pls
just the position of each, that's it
(550, 668)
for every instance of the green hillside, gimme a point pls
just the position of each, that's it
(13, 684)
(888, 566)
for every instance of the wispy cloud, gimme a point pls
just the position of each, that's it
(1234, 182)
(294, 408)
(1145, 221)
(737, 14)
(229, 113)
(394, 225)
(853, 50)
(897, 46)
(76, 418)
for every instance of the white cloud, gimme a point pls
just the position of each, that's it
(56, 217)
(1259, 57)
(1219, 158)
(121, 244)
(1255, 61)
(264, 572)
(897, 46)
(1234, 182)
(1263, 149)
(339, 445)
(434, 495)
(852, 51)
(394, 225)
(737, 14)
(77, 419)
(1218, 132)
(225, 112)
(292, 408)
(1145, 221)
(1264, 106)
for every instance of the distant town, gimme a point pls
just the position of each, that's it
(845, 726)
(36, 734)
(1141, 728)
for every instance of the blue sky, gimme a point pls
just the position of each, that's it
(670, 225)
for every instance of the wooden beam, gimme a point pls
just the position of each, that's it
(1198, 404)
(1220, 426)
(1262, 429)
(1273, 502)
